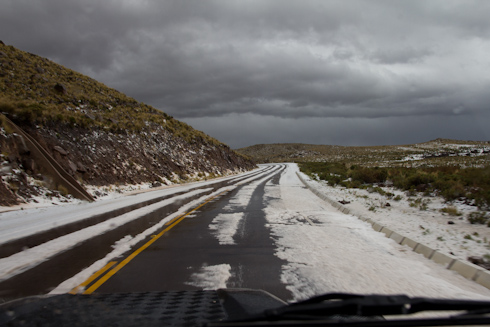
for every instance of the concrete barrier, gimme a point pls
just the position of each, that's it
(386, 231)
(442, 259)
(377, 227)
(465, 269)
(409, 242)
(482, 278)
(397, 237)
(424, 250)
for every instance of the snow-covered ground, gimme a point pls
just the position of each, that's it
(325, 250)
(47, 198)
(328, 251)
(417, 217)
(335, 252)
(33, 218)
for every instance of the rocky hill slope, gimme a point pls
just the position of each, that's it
(97, 134)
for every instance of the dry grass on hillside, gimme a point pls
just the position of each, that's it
(35, 90)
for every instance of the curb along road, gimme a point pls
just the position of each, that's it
(465, 269)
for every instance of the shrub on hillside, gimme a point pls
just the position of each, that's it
(368, 175)
(451, 182)
(478, 217)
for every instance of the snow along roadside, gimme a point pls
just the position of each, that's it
(464, 268)
(23, 223)
(126, 244)
(25, 260)
(202, 279)
(341, 253)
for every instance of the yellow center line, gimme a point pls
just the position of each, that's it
(114, 270)
(93, 277)
(172, 221)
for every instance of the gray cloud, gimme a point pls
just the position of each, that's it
(302, 61)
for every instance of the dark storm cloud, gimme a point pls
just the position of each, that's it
(367, 60)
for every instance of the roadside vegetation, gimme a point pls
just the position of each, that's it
(449, 182)
(439, 152)
(453, 183)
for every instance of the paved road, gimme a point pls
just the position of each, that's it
(173, 261)
(262, 230)
(190, 256)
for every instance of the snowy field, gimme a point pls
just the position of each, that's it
(335, 252)
(419, 218)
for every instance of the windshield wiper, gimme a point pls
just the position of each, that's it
(373, 305)
(366, 310)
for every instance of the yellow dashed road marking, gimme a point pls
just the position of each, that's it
(114, 270)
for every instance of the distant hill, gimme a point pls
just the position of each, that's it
(98, 135)
(435, 152)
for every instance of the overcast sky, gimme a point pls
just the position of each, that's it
(254, 71)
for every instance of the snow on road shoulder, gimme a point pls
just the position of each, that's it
(22, 223)
(341, 253)
(417, 217)
(126, 244)
(18, 224)
(22, 261)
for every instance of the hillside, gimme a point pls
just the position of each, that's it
(98, 135)
(436, 152)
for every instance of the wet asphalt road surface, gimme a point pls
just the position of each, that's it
(170, 262)
(179, 253)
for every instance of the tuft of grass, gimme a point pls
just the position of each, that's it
(451, 210)
(6, 126)
(63, 190)
(478, 217)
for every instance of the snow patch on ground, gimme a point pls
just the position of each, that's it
(225, 226)
(340, 253)
(21, 261)
(211, 277)
(123, 246)
(417, 217)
